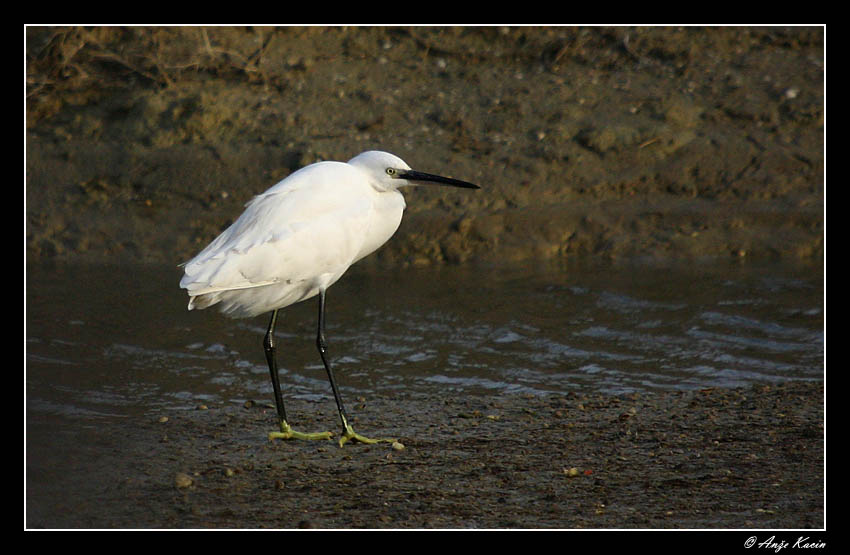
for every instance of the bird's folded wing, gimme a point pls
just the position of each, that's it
(284, 235)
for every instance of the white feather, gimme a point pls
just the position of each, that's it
(298, 237)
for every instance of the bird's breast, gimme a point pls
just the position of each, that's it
(387, 210)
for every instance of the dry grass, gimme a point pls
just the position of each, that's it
(66, 62)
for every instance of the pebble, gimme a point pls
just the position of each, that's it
(182, 480)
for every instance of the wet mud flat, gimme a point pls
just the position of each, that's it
(716, 458)
(679, 143)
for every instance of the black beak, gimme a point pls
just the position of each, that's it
(412, 175)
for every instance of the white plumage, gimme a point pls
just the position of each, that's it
(297, 239)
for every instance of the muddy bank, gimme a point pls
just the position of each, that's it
(719, 458)
(143, 143)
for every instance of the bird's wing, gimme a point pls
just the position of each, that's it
(309, 224)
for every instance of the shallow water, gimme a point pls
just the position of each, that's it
(118, 341)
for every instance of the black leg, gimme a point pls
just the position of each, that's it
(348, 432)
(322, 346)
(269, 348)
(285, 431)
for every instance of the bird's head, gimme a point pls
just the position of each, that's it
(389, 172)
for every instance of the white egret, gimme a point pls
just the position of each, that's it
(297, 239)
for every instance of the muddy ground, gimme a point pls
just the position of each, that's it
(143, 143)
(720, 458)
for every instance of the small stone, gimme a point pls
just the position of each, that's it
(398, 446)
(182, 480)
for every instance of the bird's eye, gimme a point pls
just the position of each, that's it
(390, 171)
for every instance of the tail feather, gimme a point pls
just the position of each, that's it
(200, 302)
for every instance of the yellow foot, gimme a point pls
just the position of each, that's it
(288, 433)
(349, 433)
